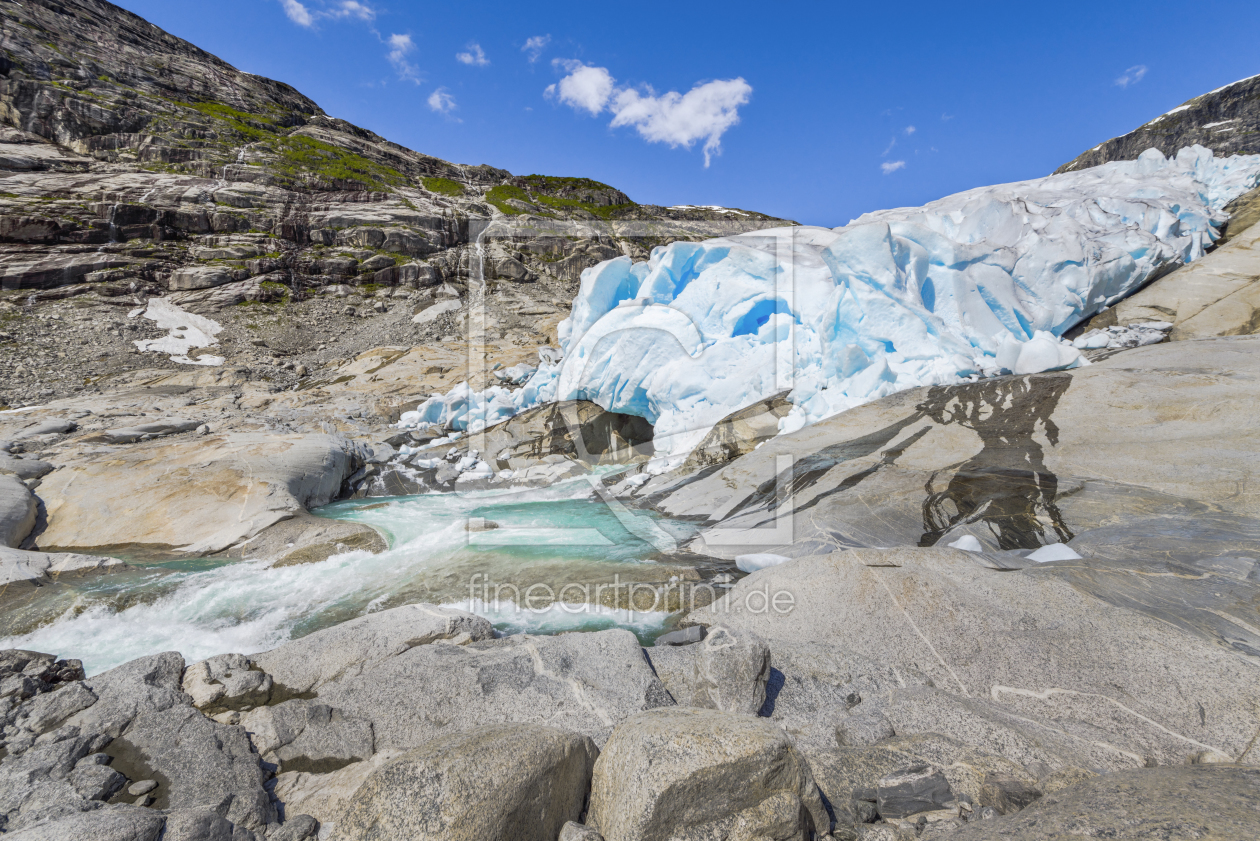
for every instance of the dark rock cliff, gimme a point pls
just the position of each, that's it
(1227, 121)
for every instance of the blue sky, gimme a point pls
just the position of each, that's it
(814, 111)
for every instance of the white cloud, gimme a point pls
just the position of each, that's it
(400, 46)
(534, 47)
(892, 166)
(441, 101)
(585, 87)
(297, 13)
(945, 118)
(703, 113)
(891, 144)
(910, 130)
(1132, 76)
(475, 56)
(302, 15)
(353, 9)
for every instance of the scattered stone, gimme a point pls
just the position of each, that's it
(141, 787)
(517, 781)
(27, 469)
(1006, 794)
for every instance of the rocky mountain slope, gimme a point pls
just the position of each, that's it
(1226, 120)
(134, 164)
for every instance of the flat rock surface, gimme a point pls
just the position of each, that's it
(1204, 803)
(936, 641)
(193, 497)
(39, 567)
(412, 689)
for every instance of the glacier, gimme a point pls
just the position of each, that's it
(976, 284)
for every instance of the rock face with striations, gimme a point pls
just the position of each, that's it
(134, 164)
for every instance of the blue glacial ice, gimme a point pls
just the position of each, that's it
(979, 283)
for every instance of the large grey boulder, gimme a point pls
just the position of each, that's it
(113, 823)
(583, 683)
(193, 496)
(25, 468)
(36, 786)
(352, 648)
(18, 511)
(683, 773)
(1212, 803)
(1063, 664)
(326, 796)
(726, 671)
(197, 763)
(417, 672)
(510, 782)
(144, 685)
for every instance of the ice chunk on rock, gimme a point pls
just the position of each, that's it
(980, 283)
(967, 543)
(1054, 552)
(760, 560)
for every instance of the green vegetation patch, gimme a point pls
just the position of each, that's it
(301, 155)
(253, 126)
(443, 186)
(498, 196)
(556, 184)
(541, 193)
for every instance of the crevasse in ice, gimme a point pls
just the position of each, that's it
(978, 283)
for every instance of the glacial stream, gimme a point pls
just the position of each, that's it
(480, 551)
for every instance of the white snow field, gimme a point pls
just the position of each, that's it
(976, 284)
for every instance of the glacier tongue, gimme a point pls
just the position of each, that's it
(975, 284)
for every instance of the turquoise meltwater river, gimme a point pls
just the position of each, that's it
(579, 561)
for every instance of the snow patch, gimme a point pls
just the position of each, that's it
(716, 208)
(187, 331)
